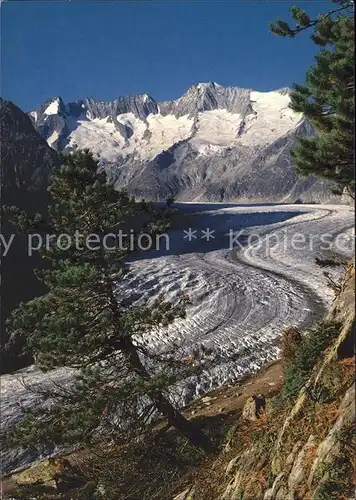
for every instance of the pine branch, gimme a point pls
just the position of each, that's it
(281, 28)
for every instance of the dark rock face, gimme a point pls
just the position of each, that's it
(124, 130)
(207, 97)
(26, 159)
(140, 105)
(26, 163)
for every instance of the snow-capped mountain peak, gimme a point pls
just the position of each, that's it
(206, 115)
(54, 106)
(192, 143)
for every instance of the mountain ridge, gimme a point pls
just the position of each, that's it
(207, 141)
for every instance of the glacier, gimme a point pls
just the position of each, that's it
(241, 298)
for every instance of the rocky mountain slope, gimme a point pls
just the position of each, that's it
(299, 446)
(26, 162)
(213, 143)
(26, 159)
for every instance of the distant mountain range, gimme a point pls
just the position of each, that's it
(211, 144)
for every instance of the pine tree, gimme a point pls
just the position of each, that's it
(83, 322)
(327, 98)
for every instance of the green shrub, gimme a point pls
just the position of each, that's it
(305, 357)
(291, 340)
(330, 384)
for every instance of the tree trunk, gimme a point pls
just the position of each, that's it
(164, 406)
(175, 418)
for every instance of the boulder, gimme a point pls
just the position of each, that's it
(254, 407)
(57, 473)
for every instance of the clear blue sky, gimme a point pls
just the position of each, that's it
(107, 49)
